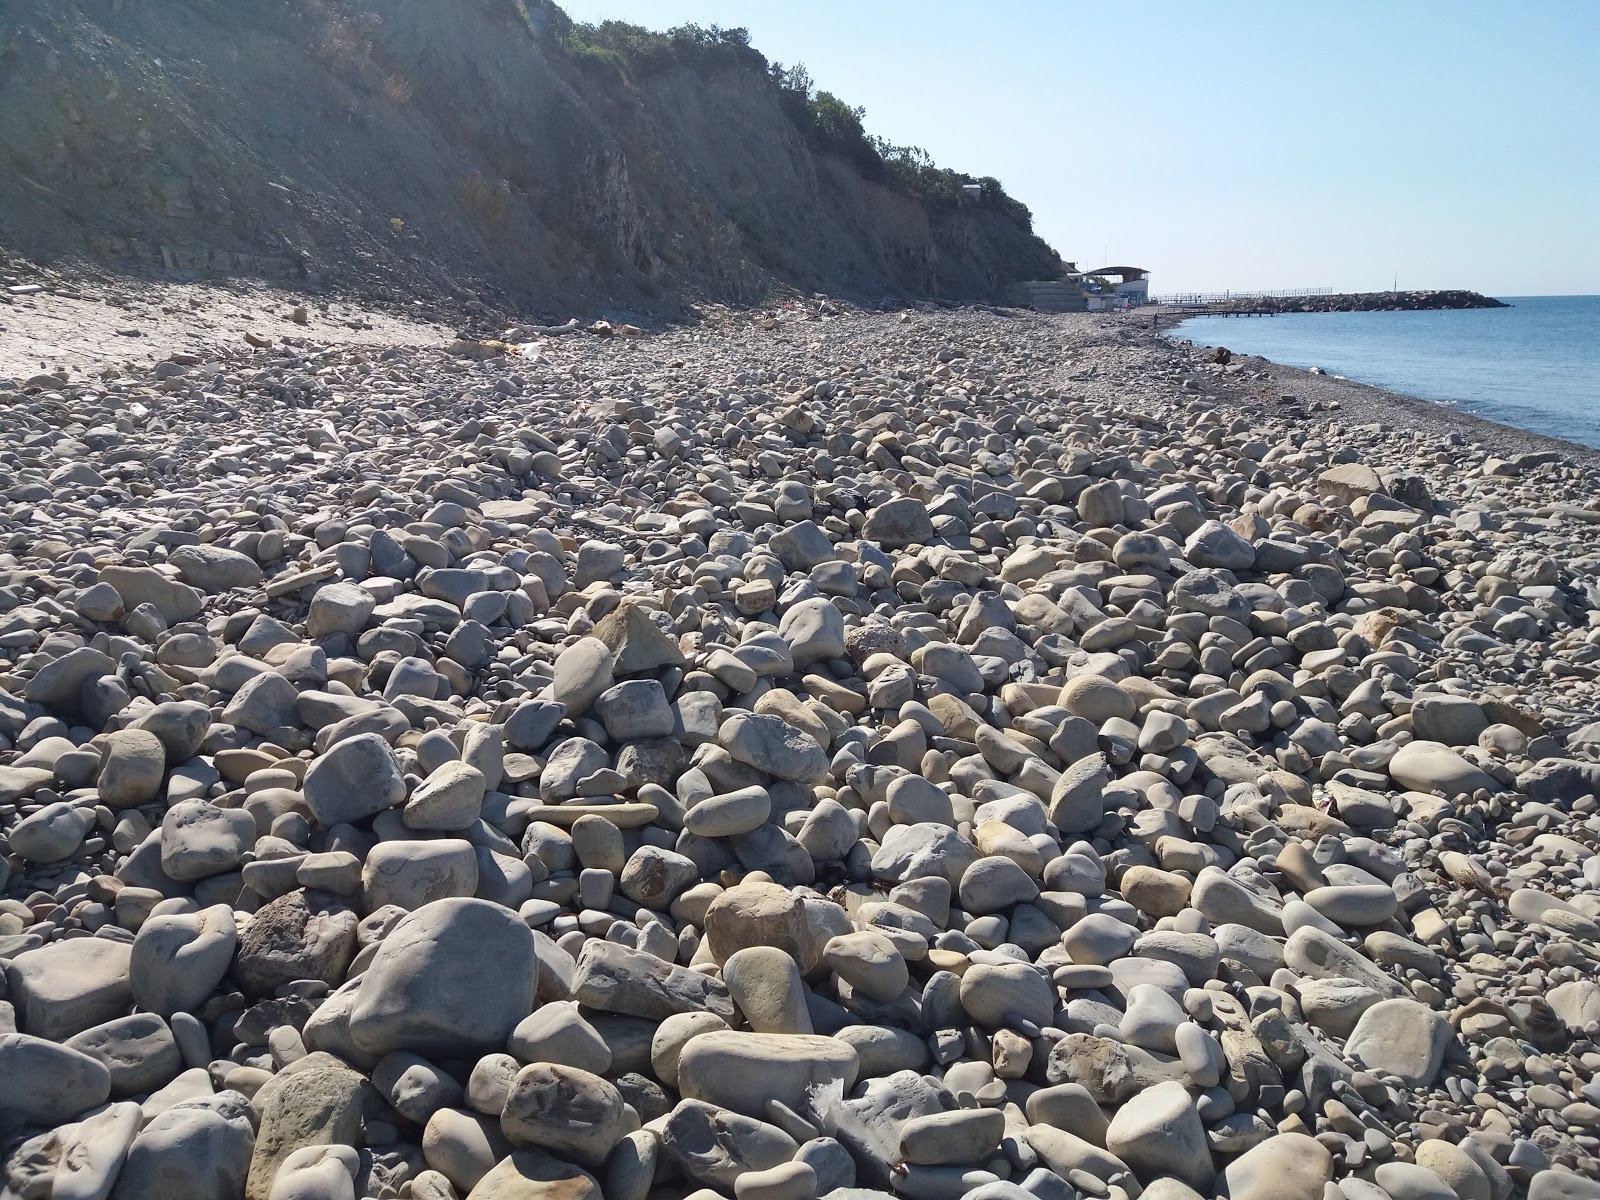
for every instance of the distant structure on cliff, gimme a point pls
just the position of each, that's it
(1087, 291)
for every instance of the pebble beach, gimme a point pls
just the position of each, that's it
(954, 755)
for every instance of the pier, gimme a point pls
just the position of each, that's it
(1183, 311)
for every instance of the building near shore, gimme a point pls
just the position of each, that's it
(1100, 290)
(1117, 287)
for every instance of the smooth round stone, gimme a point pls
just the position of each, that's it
(1354, 904)
(631, 1168)
(1079, 873)
(449, 799)
(912, 800)
(1401, 1038)
(964, 1136)
(635, 708)
(415, 1087)
(534, 1173)
(1099, 940)
(765, 983)
(1069, 1106)
(139, 1050)
(1199, 1053)
(1096, 699)
(317, 1173)
(414, 875)
(595, 888)
(1155, 892)
(557, 1033)
(133, 764)
(92, 1153)
(69, 986)
(52, 834)
(199, 840)
(730, 814)
(1297, 914)
(743, 1071)
(715, 1146)
(427, 989)
(1433, 767)
(339, 608)
(1288, 1166)
(1195, 954)
(883, 1050)
(995, 883)
(831, 1161)
(1082, 977)
(178, 960)
(566, 1111)
(1562, 1185)
(994, 995)
(1407, 1181)
(869, 962)
(1456, 1167)
(356, 779)
(672, 1035)
(489, 1083)
(200, 1148)
(47, 1084)
(1151, 1019)
(1101, 504)
(1158, 1132)
(772, 745)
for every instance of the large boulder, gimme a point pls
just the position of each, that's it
(763, 914)
(743, 1071)
(903, 521)
(1401, 1038)
(1433, 767)
(356, 779)
(535, 1175)
(67, 987)
(215, 569)
(453, 978)
(300, 935)
(42, 1083)
(1289, 1166)
(566, 1110)
(316, 1102)
(197, 1150)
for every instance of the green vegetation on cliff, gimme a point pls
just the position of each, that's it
(829, 124)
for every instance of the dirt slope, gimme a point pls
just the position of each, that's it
(443, 146)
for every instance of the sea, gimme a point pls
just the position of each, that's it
(1535, 365)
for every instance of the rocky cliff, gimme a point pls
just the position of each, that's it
(454, 147)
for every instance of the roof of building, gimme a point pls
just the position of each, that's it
(1127, 274)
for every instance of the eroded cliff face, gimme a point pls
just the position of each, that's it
(439, 144)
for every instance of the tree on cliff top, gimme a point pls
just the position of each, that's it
(829, 125)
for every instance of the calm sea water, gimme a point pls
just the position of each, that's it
(1535, 365)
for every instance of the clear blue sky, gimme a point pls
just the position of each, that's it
(1240, 145)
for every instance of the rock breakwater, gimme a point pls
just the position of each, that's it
(1364, 302)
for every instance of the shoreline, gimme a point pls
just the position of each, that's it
(1367, 402)
(980, 617)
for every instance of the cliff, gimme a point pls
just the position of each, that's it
(459, 147)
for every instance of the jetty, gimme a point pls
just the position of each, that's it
(1270, 303)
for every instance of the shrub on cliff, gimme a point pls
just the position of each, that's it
(829, 125)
